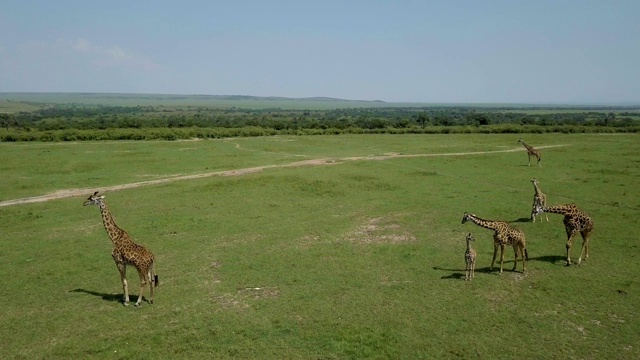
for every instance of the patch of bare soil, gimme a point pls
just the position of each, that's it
(380, 230)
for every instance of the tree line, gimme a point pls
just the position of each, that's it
(83, 122)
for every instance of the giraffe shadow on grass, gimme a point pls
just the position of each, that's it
(105, 296)
(521, 220)
(460, 273)
(550, 259)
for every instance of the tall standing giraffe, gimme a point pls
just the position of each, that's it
(503, 235)
(531, 151)
(575, 221)
(470, 256)
(539, 199)
(126, 252)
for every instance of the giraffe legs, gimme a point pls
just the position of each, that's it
(585, 246)
(519, 250)
(570, 234)
(501, 256)
(145, 278)
(151, 285)
(122, 268)
(495, 251)
(533, 215)
(143, 283)
(473, 268)
(496, 244)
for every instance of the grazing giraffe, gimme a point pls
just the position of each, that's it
(126, 252)
(470, 258)
(539, 199)
(504, 234)
(531, 151)
(575, 221)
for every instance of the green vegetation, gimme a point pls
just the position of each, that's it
(81, 117)
(356, 259)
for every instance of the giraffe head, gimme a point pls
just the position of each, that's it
(466, 217)
(94, 199)
(534, 181)
(520, 141)
(470, 238)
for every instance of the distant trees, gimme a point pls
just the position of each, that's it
(7, 120)
(84, 122)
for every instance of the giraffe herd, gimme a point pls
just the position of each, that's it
(575, 221)
(126, 252)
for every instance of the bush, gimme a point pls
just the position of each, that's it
(170, 134)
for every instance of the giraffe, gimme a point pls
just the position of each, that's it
(504, 234)
(575, 221)
(126, 252)
(470, 258)
(531, 151)
(539, 199)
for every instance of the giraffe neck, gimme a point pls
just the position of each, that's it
(527, 146)
(487, 224)
(115, 233)
(560, 209)
(535, 186)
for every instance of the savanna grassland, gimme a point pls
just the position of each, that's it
(330, 247)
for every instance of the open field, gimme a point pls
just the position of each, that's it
(359, 256)
(17, 106)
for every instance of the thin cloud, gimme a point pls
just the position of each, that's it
(112, 56)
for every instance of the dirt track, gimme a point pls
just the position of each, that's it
(61, 194)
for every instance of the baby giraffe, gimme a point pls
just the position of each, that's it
(470, 258)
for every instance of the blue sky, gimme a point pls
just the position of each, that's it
(560, 51)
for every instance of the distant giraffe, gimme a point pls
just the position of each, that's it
(531, 151)
(470, 258)
(575, 221)
(126, 252)
(504, 234)
(539, 199)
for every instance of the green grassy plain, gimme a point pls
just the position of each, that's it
(358, 259)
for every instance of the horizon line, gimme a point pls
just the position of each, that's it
(238, 97)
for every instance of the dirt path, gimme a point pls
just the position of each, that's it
(61, 194)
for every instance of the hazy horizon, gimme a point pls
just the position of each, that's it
(490, 52)
(28, 94)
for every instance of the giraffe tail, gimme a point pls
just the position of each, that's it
(156, 279)
(526, 255)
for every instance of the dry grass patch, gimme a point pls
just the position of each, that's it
(384, 229)
(242, 298)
